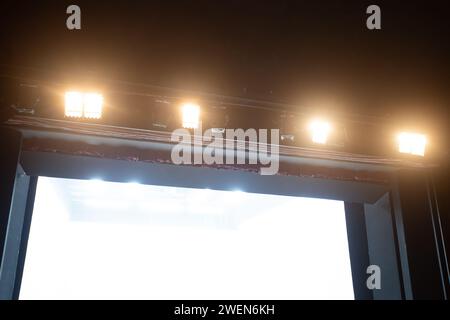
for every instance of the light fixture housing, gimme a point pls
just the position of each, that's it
(319, 130)
(191, 115)
(287, 137)
(83, 104)
(412, 143)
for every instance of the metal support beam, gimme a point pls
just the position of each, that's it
(9, 160)
(358, 247)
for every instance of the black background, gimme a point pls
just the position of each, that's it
(315, 54)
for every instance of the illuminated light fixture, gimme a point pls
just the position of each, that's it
(73, 104)
(87, 105)
(191, 115)
(412, 143)
(93, 105)
(319, 131)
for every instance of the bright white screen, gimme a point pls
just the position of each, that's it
(91, 239)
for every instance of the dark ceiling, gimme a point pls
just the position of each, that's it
(316, 54)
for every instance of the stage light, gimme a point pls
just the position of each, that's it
(191, 115)
(319, 131)
(412, 143)
(73, 104)
(93, 105)
(87, 105)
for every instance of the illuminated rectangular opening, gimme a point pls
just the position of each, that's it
(91, 239)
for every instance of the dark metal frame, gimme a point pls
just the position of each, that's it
(384, 222)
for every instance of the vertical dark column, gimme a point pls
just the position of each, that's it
(383, 251)
(439, 188)
(25, 232)
(10, 146)
(358, 247)
(424, 259)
